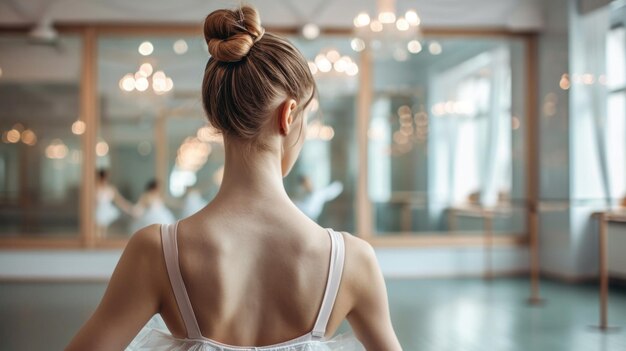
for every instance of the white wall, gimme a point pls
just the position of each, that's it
(395, 262)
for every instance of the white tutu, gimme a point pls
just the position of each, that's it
(312, 204)
(192, 203)
(155, 337)
(106, 212)
(155, 212)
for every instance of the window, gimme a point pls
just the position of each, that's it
(616, 112)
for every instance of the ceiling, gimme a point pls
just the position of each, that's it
(509, 14)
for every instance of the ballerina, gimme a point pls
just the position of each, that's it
(313, 201)
(107, 198)
(249, 268)
(150, 208)
(192, 202)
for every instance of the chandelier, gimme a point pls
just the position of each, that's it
(330, 61)
(388, 32)
(142, 79)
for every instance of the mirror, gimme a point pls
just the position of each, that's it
(322, 183)
(41, 151)
(445, 142)
(446, 138)
(149, 103)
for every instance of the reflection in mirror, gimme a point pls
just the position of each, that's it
(158, 131)
(195, 160)
(445, 148)
(144, 164)
(323, 180)
(40, 152)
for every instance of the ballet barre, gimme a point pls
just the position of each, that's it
(604, 218)
(408, 201)
(487, 214)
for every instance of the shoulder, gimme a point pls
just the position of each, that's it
(142, 260)
(360, 267)
(145, 244)
(359, 251)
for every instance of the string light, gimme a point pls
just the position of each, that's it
(414, 46)
(564, 83)
(29, 137)
(388, 33)
(78, 127)
(331, 60)
(140, 80)
(13, 136)
(102, 148)
(434, 48)
(192, 154)
(180, 46)
(357, 44)
(310, 31)
(317, 131)
(56, 150)
(146, 48)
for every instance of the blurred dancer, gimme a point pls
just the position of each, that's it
(151, 208)
(107, 198)
(192, 202)
(313, 201)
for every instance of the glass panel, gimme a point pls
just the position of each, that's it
(149, 92)
(616, 145)
(40, 153)
(616, 58)
(323, 180)
(446, 138)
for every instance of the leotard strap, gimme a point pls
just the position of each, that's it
(335, 270)
(170, 251)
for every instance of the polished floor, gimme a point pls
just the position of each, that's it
(439, 314)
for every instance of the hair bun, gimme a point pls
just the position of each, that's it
(230, 34)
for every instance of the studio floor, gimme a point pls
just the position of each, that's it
(434, 314)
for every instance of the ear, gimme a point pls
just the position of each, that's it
(286, 116)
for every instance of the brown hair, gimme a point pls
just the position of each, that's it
(248, 70)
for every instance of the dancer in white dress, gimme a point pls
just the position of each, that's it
(192, 202)
(108, 199)
(151, 208)
(313, 201)
(249, 268)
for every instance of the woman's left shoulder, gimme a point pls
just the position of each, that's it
(358, 249)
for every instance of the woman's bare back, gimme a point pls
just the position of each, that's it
(254, 276)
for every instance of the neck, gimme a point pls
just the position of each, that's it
(251, 174)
